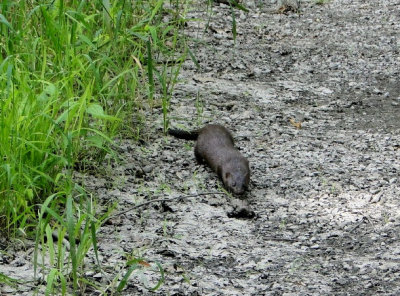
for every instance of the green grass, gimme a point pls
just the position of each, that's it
(72, 73)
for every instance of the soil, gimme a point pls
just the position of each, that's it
(312, 98)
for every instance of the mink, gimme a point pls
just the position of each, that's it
(215, 147)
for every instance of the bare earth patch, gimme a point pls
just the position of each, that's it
(313, 100)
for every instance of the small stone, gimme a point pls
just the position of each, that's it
(374, 190)
(148, 169)
(376, 198)
(89, 273)
(246, 115)
(377, 91)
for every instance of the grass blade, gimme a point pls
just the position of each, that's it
(150, 71)
(71, 235)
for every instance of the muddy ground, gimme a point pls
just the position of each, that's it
(313, 101)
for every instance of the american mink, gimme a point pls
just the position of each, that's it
(215, 147)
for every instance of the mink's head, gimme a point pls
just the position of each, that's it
(236, 175)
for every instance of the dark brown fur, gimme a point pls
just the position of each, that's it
(215, 146)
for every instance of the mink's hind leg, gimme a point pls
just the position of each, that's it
(199, 158)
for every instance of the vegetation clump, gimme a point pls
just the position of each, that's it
(71, 74)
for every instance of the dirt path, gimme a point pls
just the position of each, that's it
(326, 195)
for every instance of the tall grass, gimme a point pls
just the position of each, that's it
(71, 74)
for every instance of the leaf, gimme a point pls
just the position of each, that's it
(155, 10)
(144, 263)
(162, 278)
(96, 141)
(4, 21)
(50, 279)
(239, 6)
(29, 193)
(95, 110)
(150, 70)
(48, 92)
(153, 33)
(86, 40)
(193, 58)
(234, 32)
(71, 235)
(124, 280)
(294, 123)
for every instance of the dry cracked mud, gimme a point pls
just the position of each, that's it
(313, 100)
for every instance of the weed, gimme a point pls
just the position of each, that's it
(199, 109)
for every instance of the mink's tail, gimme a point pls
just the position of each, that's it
(181, 134)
